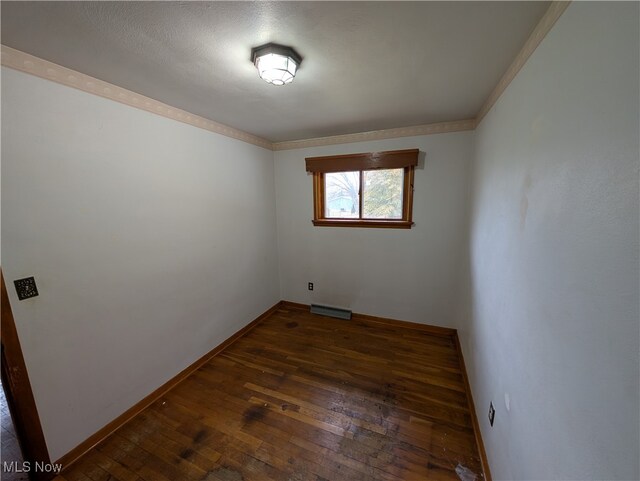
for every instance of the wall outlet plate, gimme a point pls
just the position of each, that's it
(26, 288)
(492, 413)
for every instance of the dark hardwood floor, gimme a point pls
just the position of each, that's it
(304, 397)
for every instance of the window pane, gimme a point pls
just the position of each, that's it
(383, 194)
(342, 195)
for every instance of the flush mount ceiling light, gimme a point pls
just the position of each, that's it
(276, 64)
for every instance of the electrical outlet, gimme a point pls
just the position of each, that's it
(492, 413)
(26, 288)
(310, 286)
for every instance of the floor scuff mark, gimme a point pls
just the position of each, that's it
(465, 474)
(223, 474)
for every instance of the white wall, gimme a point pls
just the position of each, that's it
(151, 242)
(147, 253)
(552, 309)
(402, 274)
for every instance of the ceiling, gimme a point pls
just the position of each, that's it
(367, 65)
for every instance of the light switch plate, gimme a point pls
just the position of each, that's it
(26, 288)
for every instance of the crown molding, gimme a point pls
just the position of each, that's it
(24, 62)
(30, 64)
(427, 129)
(548, 20)
(38, 67)
(546, 23)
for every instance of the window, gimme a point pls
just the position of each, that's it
(363, 190)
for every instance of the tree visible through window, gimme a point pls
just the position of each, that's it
(382, 196)
(342, 195)
(366, 190)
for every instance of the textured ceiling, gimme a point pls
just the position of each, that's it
(367, 65)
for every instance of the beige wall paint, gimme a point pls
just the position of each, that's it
(403, 274)
(151, 241)
(551, 311)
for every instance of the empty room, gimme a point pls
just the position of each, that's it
(320, 241)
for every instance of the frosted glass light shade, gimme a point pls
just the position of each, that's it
(276, 64)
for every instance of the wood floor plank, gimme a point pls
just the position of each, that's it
(304, 398)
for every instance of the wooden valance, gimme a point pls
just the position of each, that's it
(393, 159)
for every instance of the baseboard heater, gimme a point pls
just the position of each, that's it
(330, 311)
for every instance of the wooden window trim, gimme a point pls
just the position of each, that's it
(319, 166)
(392, 159)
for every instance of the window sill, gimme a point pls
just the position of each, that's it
(385, 224)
